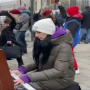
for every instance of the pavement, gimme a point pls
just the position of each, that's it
(82, 53)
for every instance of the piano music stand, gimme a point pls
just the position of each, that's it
(6, 82)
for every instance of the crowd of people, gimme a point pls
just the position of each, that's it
(56, 36)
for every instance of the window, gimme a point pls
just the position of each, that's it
(14, 6)
(25, 5)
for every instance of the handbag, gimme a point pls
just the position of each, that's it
(12, 51)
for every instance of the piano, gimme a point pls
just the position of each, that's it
(6, 79)
(22, 87)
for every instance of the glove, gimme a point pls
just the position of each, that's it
(25, 78)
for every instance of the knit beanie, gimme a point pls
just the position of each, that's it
(21, 8)
(15, 11)
(47, 12)
(45, 26)
(74, 11)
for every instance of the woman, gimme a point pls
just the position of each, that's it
(12, 23)
(5, 37)
(52, 56)
(9, 29)
(73, 23)
(37, 16)
(58, 20)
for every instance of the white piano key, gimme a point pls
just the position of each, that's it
(15, 76)
(27, 86)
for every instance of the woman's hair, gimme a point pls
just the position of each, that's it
(15, 16)
(42, 47)
(40, 10)
(7, 20)
(49, 16)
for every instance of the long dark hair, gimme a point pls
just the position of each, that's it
(42, 47)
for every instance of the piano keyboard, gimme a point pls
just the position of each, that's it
(24, 86)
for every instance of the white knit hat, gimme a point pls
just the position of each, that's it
(45, 26)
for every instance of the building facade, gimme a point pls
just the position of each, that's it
(13, 4)
(38, 4)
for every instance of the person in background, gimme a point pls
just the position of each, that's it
(15, 16)
(73, 23)
(85, 25)
(22, 26)
(12, 23)
(37, 16)
(6, 38)
(52, 55)
(57, 20)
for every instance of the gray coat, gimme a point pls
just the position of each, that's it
(24, 19)
(59, 71)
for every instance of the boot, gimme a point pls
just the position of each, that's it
(20, 62)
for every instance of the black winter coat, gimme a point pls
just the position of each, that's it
(5, 36)
(71, 26)
(86, 19)
(12, 23)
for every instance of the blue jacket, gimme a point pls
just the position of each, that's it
(76, 32)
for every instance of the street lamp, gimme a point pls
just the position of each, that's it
(20, 3)
(32, 34)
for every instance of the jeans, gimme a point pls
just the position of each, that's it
(20, 37)
(83, 32)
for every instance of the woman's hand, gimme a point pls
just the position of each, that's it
(18, 81)
(14, 31)
(15, 72)
(58, 3)
(9, 42)
(20, 75)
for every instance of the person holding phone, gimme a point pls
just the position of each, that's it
(73, 23)
(57, 19)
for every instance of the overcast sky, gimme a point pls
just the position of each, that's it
(4, 0)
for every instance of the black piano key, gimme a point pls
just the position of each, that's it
(13, 78)
(20, 87)
(36, 86)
